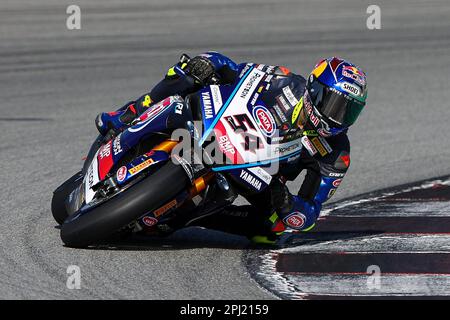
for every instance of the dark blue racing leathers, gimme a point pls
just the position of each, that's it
(325, 160)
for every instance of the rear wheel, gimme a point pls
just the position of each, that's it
(130, 205)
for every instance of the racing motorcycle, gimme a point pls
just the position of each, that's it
(135, 182)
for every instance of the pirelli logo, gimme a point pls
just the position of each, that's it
(140, 167)
(165, 208)
(319, 146)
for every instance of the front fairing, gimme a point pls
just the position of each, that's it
(246, 128)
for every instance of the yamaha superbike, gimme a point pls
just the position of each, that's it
(136, 182)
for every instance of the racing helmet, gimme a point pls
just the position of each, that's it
(335, 95)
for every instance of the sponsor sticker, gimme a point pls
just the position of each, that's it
(308, 145)
(147, 101)
(286, 149)
(165, 208)
(141, 166)
(295, 220)
(270, 69)
(319, 146)
(92, 177)
(294, 158)
(265, 120)
(179, 108)
(277, 139)
(310, 133)
(268, 78)
(105, 151)
(337, 183)
(324, 132)
(216, 97)
(255, 97)
(105, 159)
(290, 96)
(117, 148)
(149, 221)
(247, 66)
(280, 113)
(164, 228)
(207, 105)
(336, 174)
(225, 145)
(314, 119)
(276, 118)
(147, 117)
(331, 193)
(355, 74)
(253, 78)
(121, 173)
(261, 174)
(283, 103)
(351, 88)
(250, 179)
(297, 109)
(325, 144)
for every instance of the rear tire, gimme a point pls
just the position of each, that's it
(130, 205)
(60, 195)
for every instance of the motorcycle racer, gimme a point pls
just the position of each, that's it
(319, 110)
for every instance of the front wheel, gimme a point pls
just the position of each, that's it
(60, 195)
(130, 205)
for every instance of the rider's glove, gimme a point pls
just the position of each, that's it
(201, 69)
(293, 211)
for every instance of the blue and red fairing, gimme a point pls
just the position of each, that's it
(166, 115)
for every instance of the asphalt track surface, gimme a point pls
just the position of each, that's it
(54, 81)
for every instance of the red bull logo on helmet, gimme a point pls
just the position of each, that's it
(354, 74)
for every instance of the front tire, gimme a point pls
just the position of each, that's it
(130, 205)
(60, 195)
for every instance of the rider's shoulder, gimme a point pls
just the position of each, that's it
(290, 85)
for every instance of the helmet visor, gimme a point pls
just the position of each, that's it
(334, 105)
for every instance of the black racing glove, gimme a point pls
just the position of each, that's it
(202, 70)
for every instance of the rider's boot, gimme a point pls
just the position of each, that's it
(279, 236)
(115, 121)
(274, 230)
